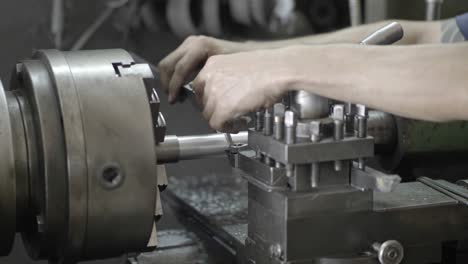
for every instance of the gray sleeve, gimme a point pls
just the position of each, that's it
(451, 32)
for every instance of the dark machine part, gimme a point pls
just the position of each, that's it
(416, 148)
(74, 156)
(325, 15)
(433, 9)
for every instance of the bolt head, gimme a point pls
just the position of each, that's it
(289, 118)
(315, 127)
(361, 110)
(338, 112)
(276, 251)
(279, 109)
(391, 252)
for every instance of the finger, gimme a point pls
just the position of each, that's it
(198, 85)
(219, 120)
(166, 66)
(209, 108)
(182, 71)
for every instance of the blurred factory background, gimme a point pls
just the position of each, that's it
(153, 27)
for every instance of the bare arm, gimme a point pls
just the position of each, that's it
(428, 82)
(416, 32)
(179, 66)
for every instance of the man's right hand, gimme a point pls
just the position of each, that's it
(182, 65)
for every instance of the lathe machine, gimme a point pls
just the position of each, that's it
(83, 148)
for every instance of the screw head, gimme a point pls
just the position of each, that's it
(289, 119)
(315, 130)
(40, 223)
(338, 112)
(276, 251)
(361, 110)
(279, 109)
(391, 252)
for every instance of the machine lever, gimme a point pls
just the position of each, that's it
(387, 35)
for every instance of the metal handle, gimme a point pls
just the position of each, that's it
(387, 35)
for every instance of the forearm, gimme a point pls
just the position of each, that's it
(415, 33)
(426, 82)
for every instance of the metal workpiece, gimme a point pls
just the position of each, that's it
(175, 149)
(387, 35)
(310, 106)
(76, 164)
(433, 9)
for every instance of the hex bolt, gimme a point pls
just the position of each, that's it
(278, 165)
(268, 122)
(268, 131)
(289, 170)
(269, 161)
(290, 123)
(279, 110)
(362, 163)
(389, 252)
(259, 121)
(279, 127)
(338, 131)
(315, 131)
(349, 118)
(361, 131)
(40, 223)
(276, 251)
(361, 126)
(361, 117)
(338, 165)
(315, 136)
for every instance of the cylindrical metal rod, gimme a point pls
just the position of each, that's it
(175, 148)
(433, 9)
(387, 35)
(355, 12)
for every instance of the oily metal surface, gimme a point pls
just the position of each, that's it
(7, 179)
(37, 86)
(68, 99)
(117, 126)
(409, 196)
(217, 196)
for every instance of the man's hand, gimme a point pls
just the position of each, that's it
(230, 86)
(182, 64)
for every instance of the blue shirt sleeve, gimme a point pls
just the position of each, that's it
(462, 22)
